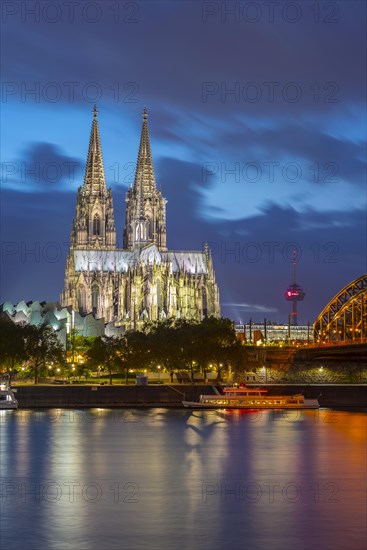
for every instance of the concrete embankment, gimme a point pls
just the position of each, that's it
(352, 395)
(108, 396)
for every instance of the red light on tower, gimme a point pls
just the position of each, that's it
(294, 292)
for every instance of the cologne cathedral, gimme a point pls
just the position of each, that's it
(143, 280)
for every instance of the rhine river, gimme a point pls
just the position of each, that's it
(175, 479)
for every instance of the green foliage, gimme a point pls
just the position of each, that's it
(107, 351)
(42, 348)
(12, 348)
(79, 344)
(190, 345)
(33, 346)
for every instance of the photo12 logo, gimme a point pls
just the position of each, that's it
(270, 92)
(30, 12)
(272, 12)
(270, 172)
(269, 491)
(271, 252)
(71, 491)
(69, 92)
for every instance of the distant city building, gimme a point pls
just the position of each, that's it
(143, 280)
(254, 332)
(61, 319)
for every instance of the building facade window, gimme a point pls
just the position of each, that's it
(96, 225)
(205, 303)
(95, 298)
(159, 296)
(82, 300)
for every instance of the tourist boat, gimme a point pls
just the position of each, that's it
(246, 398)
(7, 397)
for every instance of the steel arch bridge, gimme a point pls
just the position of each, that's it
(344, 319)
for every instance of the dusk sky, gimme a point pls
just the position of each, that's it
(257, 122)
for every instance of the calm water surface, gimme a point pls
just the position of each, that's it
(167, 479)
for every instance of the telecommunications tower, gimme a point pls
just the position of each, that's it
(294, 292)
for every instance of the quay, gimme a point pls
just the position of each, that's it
(172, 395)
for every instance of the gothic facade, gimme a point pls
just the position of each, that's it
(143, 280)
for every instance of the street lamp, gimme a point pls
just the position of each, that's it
(159, 373)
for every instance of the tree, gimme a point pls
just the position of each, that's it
(42, 346)
(12, 349)
(186, 339)
(163, 345)
(77, 345)
(107, 351)
(138, 351)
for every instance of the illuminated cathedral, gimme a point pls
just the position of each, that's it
(143, 280)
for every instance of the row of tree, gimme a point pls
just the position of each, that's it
(170, 345)
(174, 346)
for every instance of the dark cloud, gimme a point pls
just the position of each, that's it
(35, 232)
(43, 166)
(253, 257)
(162, 56)
(294, 142)
(171, 43)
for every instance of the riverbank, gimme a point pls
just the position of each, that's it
(165, 395)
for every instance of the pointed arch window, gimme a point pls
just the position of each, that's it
(95, 298)
(205, 303)
(96, 225)
(159, 295)
(127, 297)
(82, 299)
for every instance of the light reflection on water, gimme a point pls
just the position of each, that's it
(104, 479)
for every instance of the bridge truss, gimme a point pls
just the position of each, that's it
(344, 319)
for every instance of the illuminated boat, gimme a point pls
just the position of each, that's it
(246, 398)
(7, 398)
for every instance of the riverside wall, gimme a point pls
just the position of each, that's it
(108, 396)
(89, 396)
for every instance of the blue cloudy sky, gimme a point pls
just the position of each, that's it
(257, 120)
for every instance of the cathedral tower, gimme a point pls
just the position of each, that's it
(94, 226)
(145, 206)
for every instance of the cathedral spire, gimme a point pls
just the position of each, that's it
(94, 225)
(144, 166)
(144, 203)
(94, 179)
